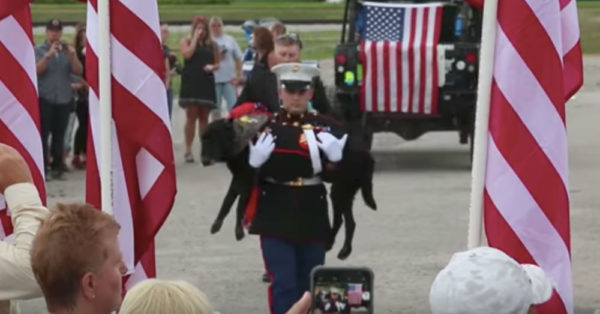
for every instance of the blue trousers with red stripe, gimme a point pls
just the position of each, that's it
(289, 265)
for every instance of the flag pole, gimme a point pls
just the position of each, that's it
(484, 88)
(104, 71)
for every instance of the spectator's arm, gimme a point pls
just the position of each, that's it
(27, 212)
(217, 57)
(41, 61)
(238, 68)
(76, 67)
(237, 55)
(167, 72)
(188, 46)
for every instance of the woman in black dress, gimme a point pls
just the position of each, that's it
(197, 94)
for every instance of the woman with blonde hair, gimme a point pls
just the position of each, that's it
(155, 296)
(197, 95)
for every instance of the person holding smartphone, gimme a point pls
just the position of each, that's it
(291, 213)
(55, 62)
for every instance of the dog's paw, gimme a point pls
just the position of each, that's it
(216, 226)
(344, 252)
(330, 244)
(239, 233)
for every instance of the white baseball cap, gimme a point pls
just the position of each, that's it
(486, 280)
(295, 75)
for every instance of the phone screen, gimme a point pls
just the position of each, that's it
(342, 290)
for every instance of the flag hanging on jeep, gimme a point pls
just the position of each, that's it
(398, 51)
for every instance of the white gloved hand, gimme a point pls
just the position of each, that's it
(260, 152)
(331, 146)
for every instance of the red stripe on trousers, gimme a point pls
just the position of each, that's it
(501, 236)
(435, 91)
(411, 59)
(374, 77)
(19, 84)
(422, 60)
(270, 288)
(530, 163)
(573, 70)
(528, 36)
(386, 76)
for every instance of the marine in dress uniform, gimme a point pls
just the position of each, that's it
(292, 217)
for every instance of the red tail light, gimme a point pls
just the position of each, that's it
(471, 57)
(340, 59)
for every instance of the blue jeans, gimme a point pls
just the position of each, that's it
(225, 91)
(289, 265)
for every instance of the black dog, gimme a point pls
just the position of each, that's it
(353, 172)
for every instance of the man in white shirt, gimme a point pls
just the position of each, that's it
(229, 74)
(27, 212)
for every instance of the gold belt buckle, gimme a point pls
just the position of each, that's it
(298, 182)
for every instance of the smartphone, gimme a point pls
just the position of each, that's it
(342, 290)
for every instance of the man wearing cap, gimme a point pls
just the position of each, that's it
(288, 48)
(486, 280)
(55, 62)
(289, 156)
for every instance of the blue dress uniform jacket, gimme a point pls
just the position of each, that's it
(292, 204)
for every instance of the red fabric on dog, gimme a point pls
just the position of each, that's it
(250, 210)
(246, 109)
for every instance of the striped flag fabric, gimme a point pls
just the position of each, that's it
(355, 292)
(19, 107)
(143, 167)
(537, 67)
(398, 52)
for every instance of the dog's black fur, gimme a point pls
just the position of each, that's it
(353, 172)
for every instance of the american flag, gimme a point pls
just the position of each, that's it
(19, 109)
(355, 291)
(399, 56)
(142, 154)
(537, 67)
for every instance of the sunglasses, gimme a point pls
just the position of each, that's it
(292, 36)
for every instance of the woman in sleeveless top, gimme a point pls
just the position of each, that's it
(197, 94)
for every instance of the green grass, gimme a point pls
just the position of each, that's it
(589, 23)
(240, 10)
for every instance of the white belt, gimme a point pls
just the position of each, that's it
(297, 182)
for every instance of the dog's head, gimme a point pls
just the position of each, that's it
(223, 139)
(217, 142)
